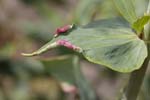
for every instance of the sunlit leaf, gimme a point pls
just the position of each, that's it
(140, 7)
(127, 9)
(139, 24)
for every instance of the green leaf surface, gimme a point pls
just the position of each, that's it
(60, 68)
(108, 42)
(148, 8)
(67, 69)
(83, 7)
(139, 24)
(147, 26)
(127, 9)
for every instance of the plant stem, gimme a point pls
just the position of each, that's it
(85, 90)
(136, 80)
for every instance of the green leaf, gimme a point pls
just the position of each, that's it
(83, 7)
(139, 24)
(67, 69)
(85, 89)
(148, 8)
(147, 26)
(60, 68)
(108, 42)
(127, 9)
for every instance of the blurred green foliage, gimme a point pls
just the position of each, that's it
(26, 25)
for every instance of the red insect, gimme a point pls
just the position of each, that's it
(63, 30)
(69, 45)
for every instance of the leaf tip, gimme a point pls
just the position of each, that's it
(28, 54)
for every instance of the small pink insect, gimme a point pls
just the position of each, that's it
(63, 29)
(69, 45)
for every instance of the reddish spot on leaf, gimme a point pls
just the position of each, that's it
(62, 30)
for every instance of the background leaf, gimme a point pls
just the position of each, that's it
(85, 89)
(61, 68)
(68, 69)
(147, 26)
(127, 9)
(83, 7)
